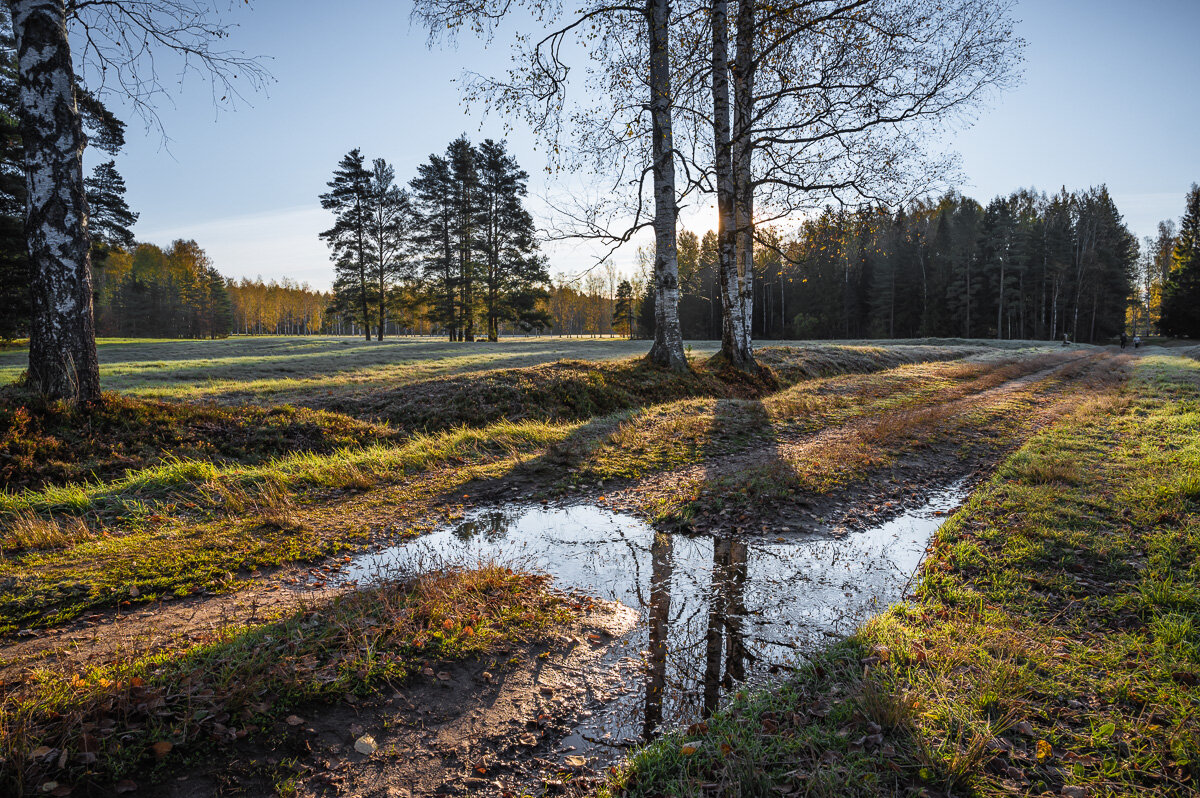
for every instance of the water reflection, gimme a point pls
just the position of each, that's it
(716, 612)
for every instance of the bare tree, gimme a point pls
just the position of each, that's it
(120, 38)
(639, 123)
(833, 101)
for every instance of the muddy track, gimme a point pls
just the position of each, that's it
(924, 466)
(487, 728)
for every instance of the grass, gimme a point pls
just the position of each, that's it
(151, 712)
(872, 421)
(208, 522)
(1052, 647)
(55, 444)
(279, 369)
(189, 527)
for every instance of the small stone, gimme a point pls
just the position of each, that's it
(366, 745)
(1074, 792)
(293, 720)
(1025, 728)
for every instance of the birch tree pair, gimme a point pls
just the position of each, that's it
(776, 108)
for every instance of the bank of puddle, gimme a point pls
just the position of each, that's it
(716, 613)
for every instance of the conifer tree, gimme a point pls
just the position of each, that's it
(434, 236)
(109, 217)
(624, 316)
(389, 213)
(513, 274)
(1181, 294)
(349, 199)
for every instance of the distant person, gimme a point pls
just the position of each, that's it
(1124, 340)
(1137, 341)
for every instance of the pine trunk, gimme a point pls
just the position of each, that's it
(62, 340)
(668, 338)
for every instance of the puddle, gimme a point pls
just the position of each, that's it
(715, 612)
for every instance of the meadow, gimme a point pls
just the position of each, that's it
(191, 531)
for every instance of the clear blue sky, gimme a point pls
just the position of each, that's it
(1108, 97)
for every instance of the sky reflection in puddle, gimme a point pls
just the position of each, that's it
(715, 612)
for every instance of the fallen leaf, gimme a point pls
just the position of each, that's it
(293, 720)
(576, 761)
(1044, 749)
(688, 750)
(366, 745)
(162, 748)
(125, 785)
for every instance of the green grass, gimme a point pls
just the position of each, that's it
(72, 548)
(278, 369)
(1053, 646)
(54, 444)
(150, 713)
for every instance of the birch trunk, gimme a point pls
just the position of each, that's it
(661, 566)
(731, 340)
(62, 339)
(743, 148)
(668, 338)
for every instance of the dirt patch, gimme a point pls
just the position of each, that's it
(489, 728)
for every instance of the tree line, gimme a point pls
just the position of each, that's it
(456, 249)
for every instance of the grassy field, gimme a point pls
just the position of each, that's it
(1052, 646)
(278, 369)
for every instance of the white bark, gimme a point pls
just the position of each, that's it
(668, 338)
(62, 343)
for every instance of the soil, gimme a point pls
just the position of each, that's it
(487, 728)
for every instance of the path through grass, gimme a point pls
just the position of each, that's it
(1052, 648)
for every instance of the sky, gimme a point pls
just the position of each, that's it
(1107, 96)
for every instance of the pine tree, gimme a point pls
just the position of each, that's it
(388, 230)
(1181, 294)
(434, 235)
(349, 199)
(109, 217)
(624, 316)
(513, 274)
(466, 200)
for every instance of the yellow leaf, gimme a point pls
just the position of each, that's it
(1043, 750)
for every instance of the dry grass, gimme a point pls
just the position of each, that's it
(26, 531)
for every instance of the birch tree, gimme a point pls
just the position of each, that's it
(832, 101)
(640, 122)
(121, 39)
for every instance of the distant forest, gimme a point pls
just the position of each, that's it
(1023, 266)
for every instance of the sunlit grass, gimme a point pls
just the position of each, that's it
(1053, 646)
